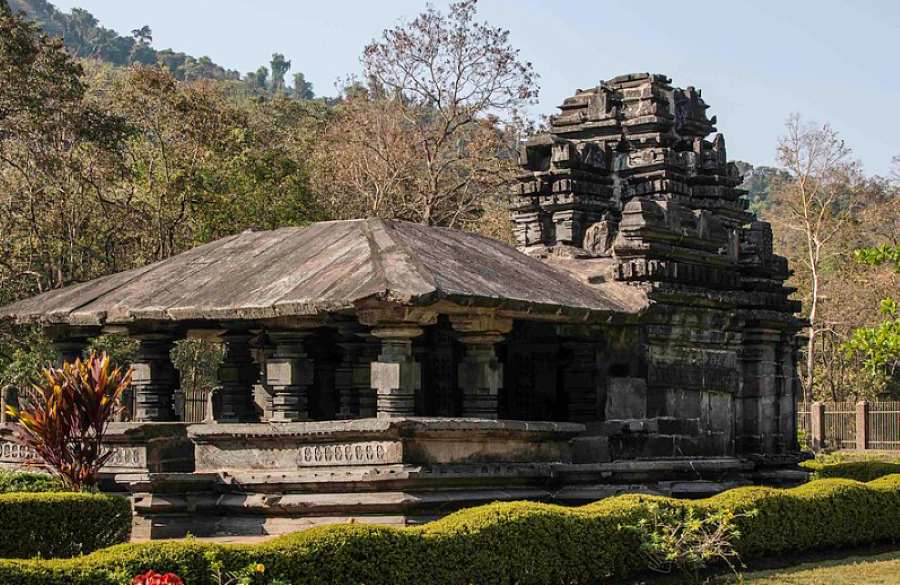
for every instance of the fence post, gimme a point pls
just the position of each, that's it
(862, 425)
(817, 425)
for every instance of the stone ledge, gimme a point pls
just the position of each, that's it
(391, 427)
(322, 503)
(650, 468)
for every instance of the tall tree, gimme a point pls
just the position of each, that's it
(56, 148)
(878, 347)
(280, 67)
(816, 204)
(303, 90)
(80, 31)
(109, 169)
(143, 34)
(442, 106)
(259, 78)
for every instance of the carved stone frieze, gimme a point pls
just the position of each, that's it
(358, 453)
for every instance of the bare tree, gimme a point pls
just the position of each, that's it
(816, 204)
(433, 132)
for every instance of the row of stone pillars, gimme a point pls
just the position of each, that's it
(397, 376)
(367, 385)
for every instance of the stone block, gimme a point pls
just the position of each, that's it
(683, 404)
(626, 398)
(590, 450)
(289, 372)
(673, 426)
(720, 411)
(157, 371)
(385, 375)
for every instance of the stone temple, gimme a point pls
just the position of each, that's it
(639, 338)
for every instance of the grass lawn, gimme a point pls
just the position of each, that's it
(865, 568)
(883, 569)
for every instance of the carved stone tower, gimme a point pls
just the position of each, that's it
(626, 188)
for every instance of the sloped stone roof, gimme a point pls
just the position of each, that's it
(321, 268)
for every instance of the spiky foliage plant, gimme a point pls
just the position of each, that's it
(64, 418)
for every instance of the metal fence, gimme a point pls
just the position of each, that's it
(850, 425)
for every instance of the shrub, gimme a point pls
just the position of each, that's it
(518, 542)
(65, 418)
(683, 539)
(61, 524)
(858, 470)
(28, 481)
(822, 514)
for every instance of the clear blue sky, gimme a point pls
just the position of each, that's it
(756, 62)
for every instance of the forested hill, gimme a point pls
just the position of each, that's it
(758, 182)
(84, 37)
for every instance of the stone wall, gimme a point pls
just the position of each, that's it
(627, 188)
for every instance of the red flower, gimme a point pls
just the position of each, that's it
(154, 578)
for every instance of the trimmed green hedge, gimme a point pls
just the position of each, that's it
(505, 543)
(858, 470)
(61, 524)
(28, 481)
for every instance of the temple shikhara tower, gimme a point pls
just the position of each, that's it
(630, 187)
(640, 338)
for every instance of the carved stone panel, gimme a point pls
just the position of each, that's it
(128, 457)
(363, 453)
(12, 452)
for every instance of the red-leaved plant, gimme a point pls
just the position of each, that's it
(154, 578)
(65, 417)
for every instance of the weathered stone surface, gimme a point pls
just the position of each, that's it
(237, 374)
(289, 372)
(373, 442)
(626, 398)
(322, 268)
(154, 378)
(396, 375)
(136, 447)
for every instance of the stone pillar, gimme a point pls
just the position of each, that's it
(396, 375)
(262, 357)
(347, 399)
(480, 376)
(67, 350)
(367, 396)
(289, 372)
(862, 425)
(154, 378)
(233, 399)
(579, 374)
(9, 396)
(760, 386)
(790, 394)
(817, 426)
(68, 343)
(480, 373)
